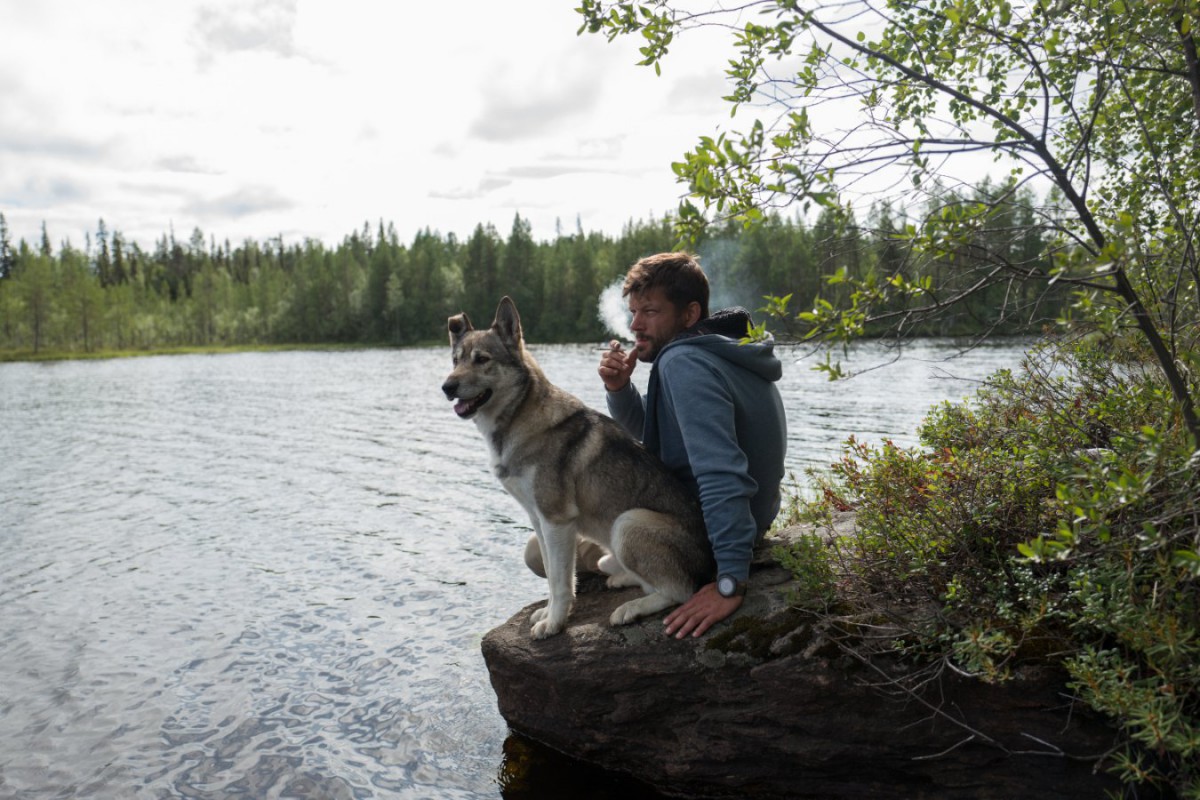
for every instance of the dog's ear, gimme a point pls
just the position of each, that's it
(458, 325)
(508, 321)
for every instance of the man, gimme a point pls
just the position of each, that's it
(711, 411)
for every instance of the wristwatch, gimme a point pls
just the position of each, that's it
(729, 586)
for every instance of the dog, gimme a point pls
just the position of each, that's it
(578, 475)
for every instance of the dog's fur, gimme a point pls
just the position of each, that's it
(577, 474)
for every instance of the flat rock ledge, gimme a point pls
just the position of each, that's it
(767, 705)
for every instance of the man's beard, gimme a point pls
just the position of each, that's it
(648, 349)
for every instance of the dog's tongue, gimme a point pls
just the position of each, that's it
(462, 407)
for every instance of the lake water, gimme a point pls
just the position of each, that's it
(268, 574)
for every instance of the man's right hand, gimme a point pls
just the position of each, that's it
(616, 366)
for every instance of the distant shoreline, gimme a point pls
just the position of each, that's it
(14, 356)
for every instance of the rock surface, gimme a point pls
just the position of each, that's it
(767, 705)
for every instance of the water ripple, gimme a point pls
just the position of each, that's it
(267, 575)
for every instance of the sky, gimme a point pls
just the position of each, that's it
(309, 118)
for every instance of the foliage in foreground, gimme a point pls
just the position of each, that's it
(1098, 99)
(1054, 519)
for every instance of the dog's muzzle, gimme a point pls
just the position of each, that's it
(465, 407)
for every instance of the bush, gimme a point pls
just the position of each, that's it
(1053, 518)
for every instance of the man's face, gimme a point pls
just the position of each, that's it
(655, 321)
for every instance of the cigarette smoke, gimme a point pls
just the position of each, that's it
(613, 311)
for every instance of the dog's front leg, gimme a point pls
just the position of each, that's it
(557, 541)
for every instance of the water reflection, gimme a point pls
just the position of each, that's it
(531, 771)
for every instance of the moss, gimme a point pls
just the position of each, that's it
(757, 637)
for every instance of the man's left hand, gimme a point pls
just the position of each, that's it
(705, 608)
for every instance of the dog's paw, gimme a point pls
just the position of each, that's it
(625, 579)
(641, 607)
(545, 628)
(626, 613)
(546, 624)
(618, 576)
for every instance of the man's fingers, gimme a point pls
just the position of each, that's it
(614, 368)
(703, 610)
(695, 626)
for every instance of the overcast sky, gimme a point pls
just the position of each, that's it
(267, 117)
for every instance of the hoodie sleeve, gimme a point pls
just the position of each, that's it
(628, 408)
(702, 401)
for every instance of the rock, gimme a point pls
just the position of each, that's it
(769, 705)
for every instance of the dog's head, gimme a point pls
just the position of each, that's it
(487, 362)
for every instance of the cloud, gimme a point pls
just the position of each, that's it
(184, 163)
(252, 117)
(264, 26)
(50, 144)
(532, 100)
(495, 180)
(698, 90)
(445, 149)
(29, 126)
(542, 171)
(244, 202)
(486, 185)
(601, 148)
(45, 191)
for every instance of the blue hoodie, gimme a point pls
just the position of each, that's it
(713, 414)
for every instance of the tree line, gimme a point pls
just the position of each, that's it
(372, 288)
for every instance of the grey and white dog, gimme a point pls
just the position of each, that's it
(577, 474)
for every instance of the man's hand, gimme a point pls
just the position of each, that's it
(616, 366)
(706, 608)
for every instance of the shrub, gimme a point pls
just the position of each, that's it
(1053, 518)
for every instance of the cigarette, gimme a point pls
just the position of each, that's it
(618, 347)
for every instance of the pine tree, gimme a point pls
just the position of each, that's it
(103, 258)
(8, 258)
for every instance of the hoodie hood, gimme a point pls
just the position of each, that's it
(721, 334)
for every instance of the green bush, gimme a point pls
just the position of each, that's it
(807, 561)
(1053, 518)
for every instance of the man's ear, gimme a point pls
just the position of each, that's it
(691, 314)
(458, 326)
(508, 321)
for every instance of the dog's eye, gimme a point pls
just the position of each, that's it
(480, 358)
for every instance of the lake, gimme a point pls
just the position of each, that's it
(268, 574)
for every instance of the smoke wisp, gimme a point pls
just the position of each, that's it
(613, 311)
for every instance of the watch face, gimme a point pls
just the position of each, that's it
(726, 585)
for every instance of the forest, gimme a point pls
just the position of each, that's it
(112, 294)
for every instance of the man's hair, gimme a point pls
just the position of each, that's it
(679, 276)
